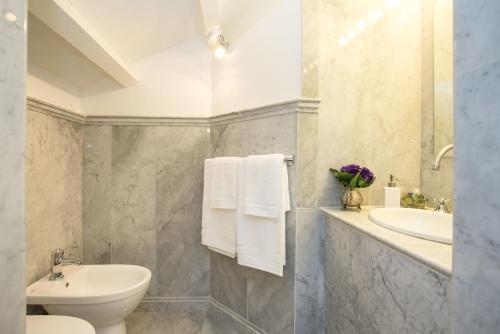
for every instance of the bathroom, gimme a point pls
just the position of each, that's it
(112, 111)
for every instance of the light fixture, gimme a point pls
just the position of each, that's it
(217, 43)
(220, 52)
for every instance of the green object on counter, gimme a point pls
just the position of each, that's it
(413, 200)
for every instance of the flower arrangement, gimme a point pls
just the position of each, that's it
(354, 176)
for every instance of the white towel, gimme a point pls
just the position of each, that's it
(263, 194)
(223, 185)
(261, 240)
(218, 225)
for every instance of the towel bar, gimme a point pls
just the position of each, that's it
(290, 159)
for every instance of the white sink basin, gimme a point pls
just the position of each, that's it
(423, 224)
(101, 294)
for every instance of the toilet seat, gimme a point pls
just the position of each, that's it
(57, 324)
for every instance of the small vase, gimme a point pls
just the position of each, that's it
(351, 198)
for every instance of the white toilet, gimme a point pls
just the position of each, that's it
(57, 324)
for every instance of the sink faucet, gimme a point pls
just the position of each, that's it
(442, 205)
(437, 162)
(57, 261)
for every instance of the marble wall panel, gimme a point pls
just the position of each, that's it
(183, 263)
(228, 283)
(269, 299)
(133, 205)
(476, 243)
(370, 109)
(53, 190)
(12, 170)
(307, 156)
(372, 288)
(309, 272)
(143, 188)
(97, 195)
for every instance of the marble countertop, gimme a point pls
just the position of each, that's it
(433, 254)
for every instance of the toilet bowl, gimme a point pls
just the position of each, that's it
(104, 295)
(57, 324)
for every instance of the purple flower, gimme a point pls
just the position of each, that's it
(366, 174)
(352, 169)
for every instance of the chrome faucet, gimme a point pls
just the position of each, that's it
(442, 205)
(57, 261)
(437, 162)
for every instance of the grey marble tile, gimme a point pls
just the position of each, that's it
(476, 239)
(258, 136)
(372, 288)
(133, 189)
(308, 314)
(53, 190)
(12, 169)
(97, 195)
(228, 283)
(172, 304)
(271, 299)
(164, 323)
(307, 155)
(183, 263)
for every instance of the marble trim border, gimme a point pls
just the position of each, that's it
(236, 317)
(193, 304)
(36, 105)
(303, 105)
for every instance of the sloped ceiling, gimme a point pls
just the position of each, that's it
(141, 28)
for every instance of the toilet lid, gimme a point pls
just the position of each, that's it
(57, 324)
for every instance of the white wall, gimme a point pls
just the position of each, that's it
(47, 91)
(176, 82)
(264, 63)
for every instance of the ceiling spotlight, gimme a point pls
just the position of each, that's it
(220, 52)
(217, 43)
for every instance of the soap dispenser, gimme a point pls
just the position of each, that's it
(392, 194)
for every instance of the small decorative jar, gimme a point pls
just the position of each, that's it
(351, 198)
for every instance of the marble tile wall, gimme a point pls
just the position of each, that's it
(265, 300)
(276, 305)
(54, 153)
(372, 288)
(361, 118)
(476, 248)
(12, 150)
(143, 191)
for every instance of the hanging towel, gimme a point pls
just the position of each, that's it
(223, 185)
(218, 225)
(261, 240)
(263, 193)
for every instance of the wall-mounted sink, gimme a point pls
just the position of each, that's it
(424, 224)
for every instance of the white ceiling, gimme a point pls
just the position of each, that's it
(140, 28)
(135, 29)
